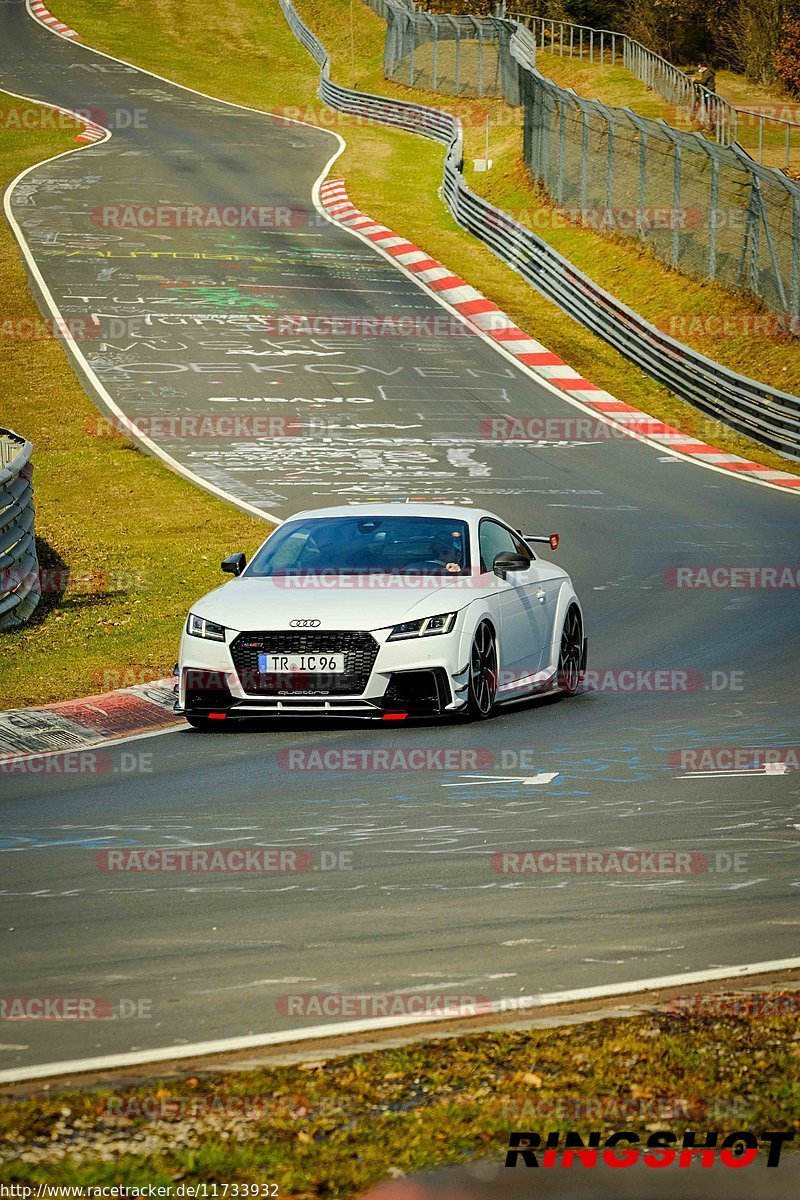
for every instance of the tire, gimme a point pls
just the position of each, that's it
(571, 655)
(482, 692)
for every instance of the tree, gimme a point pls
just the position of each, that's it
(787, 56)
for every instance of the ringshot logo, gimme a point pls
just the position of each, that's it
(661, 1149)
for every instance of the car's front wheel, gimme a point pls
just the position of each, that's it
(571, 663)
(482, 693)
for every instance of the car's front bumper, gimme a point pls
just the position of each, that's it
(415, 676)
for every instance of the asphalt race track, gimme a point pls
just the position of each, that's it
(401, 894)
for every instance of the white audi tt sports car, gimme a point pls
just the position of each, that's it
(382, 610)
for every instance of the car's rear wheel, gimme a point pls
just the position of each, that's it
(570, 658)
(482, 693)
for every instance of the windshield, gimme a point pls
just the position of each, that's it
(365, 546)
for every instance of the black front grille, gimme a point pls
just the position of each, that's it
(360, 651)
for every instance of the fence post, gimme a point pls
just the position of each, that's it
(584, 184)
(413, 45)
(562, 143)
(751, 250)
(676, 203)
(435, 79)
(609, 119)
(641, 192)
(713, 216)
(794, 301)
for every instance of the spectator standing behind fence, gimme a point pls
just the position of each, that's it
(707, 77)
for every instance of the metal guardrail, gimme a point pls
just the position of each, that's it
(20, 588)
(723, 121)
(753, 408)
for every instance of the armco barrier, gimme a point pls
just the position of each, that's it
(20, 590)
(753, 408)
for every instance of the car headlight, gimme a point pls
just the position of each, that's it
(200, 627)
(424, 627)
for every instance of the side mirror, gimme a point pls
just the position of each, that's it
(234, 564)
(509, 560)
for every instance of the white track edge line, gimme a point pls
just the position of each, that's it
(374, 1024)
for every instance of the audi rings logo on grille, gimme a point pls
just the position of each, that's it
(303, 623)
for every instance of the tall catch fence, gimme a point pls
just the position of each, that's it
(705, 208)
(20, 587)
(763, 131)
(754, 408)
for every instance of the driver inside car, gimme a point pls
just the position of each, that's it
(446, 549)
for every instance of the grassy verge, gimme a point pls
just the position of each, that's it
(281, 75)
(117, 527)
(332, 1129)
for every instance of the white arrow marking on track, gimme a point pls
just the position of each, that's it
(525, 780)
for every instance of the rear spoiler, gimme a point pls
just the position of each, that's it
(552, 539)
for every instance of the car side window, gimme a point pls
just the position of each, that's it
(494, 539)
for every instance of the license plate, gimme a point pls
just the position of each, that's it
(301, 664)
